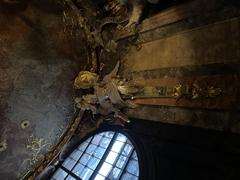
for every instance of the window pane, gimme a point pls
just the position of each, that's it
(127, 149)
(78, 169)
(105, 142)
(86, 173)
(88, 140)
(91, 148)
(115, 173)
(83, 146)
(109, 134)
(128, 176)
(99, 177)
(69, 163)
(76, 154)
(121, 137)
(133, 167)
(117, 146)
(111, 157)
(96, 140)
(105, 169)
(121, 161)
(59, 174)
(134, 156)
(99, 152)
(93, 162)
(101, 134)
(85, 158)
(70, 178)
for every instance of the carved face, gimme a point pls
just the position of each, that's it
(85, 80)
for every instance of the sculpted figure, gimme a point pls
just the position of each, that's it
(110, 95)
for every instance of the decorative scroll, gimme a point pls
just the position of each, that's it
(195, 91)
(36, 146)
(178, 91)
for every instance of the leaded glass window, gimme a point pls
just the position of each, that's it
(105, 156)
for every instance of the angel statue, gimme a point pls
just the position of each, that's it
(110, 96)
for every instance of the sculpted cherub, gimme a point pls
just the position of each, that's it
(108, 94)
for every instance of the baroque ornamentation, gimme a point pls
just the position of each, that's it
(25, 124)
(37, 146)
(195, 91)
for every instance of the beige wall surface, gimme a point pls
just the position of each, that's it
(215, 43)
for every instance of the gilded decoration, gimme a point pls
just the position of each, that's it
(85, 80)
(195, 91)
(36, 146)
(25, 124)
(3, 146)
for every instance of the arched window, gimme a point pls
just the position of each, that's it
(106, 155)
